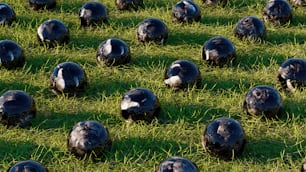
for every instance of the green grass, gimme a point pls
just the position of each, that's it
(272, 145)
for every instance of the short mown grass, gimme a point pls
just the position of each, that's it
(272, 145)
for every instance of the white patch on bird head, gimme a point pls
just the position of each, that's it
(173, 81)
(75, 138)
(11, 56)
(85, 13)
(222, 131)
(76, 81)
(175, 65)
(162, 41)
(2, 6)
(207, 54)
(142, 27)
(189, 6)
(107, 49)
(213, 53)
(122, 50)
(59, 80)
(127, 103)
(40, 33)
(290, 86)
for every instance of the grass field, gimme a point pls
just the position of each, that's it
(272, 145)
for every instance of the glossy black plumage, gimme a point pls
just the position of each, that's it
(263, 100)
(68, 78)
(42, 4)
(292, 74)
(224, 138)
(278, 12)
(152, 30)
(53, 32)
(7, 14)
(186, 11)
(251, 28)
(113, 52)
(140, 104)
(177, 164)
(11, 54)
(93, 14)
(17, 108)
(88, 138)
(218, 51)
(27, 166)
(182, 74)
(129, 4)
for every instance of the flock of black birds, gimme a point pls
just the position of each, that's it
(223, 137)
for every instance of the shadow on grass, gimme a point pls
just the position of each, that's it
(234, 4)
(153, 61)
(64, 6)
(108, 87)
(281, 37)
(242, 4)
(256, 150)
(220, 20)
(123, 22)
(179, 38)
(24, 150)
(86, 39)
(159, 4)
(256, 57)
(43, 62)
(295, 108)
(27, 22)
(66, 120)
(139, 149)
(298, 20)
(217, 84)
(30, 89)
(170, 113)
(48, 60)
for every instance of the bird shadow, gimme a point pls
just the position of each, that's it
(67, 7)
(295, 108)
(86, 39)
(281, 37)
(219, 20)
(27, 23)
(53, 120)
(163, 4)
(25, 150)
(141, 149)
(20, 85)
(189, 113)
(42, 62)
(143, 60)
(108, 87)
(193, 39)
(255, 57)
(256, 150)
(124, 22)
(298, 19)
(216, 83)
(231, 4)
